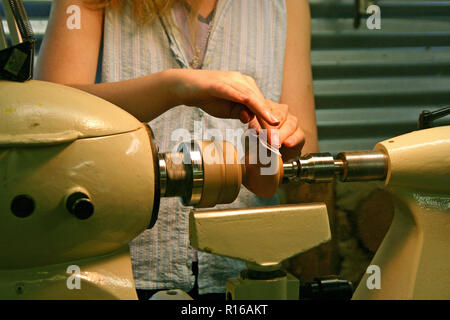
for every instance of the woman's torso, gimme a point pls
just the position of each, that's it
(246, 36)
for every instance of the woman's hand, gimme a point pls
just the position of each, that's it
(287, 135)
(222, 94)
(232, 95)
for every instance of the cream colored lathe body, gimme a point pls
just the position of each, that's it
(414, 257)
(55, 140)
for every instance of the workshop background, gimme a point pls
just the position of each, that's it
(369, 85)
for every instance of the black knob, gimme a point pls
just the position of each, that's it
(327, 288)
(80, 205)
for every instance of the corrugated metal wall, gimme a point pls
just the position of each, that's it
(369, 84)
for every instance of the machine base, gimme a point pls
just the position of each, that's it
(100, 278)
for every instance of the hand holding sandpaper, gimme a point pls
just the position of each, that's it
(262, 171)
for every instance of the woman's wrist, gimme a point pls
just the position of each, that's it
(173, 84)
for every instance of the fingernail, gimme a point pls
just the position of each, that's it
(275, 139)
(274, 119)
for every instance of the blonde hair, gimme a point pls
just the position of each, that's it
(144, 10)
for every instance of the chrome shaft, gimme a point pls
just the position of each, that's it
(349, 166)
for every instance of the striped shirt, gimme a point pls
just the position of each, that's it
(246, 36)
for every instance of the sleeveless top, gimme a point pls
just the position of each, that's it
(194, 51)
(246, 36)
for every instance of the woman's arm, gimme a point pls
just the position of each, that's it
(70, 57)
(297, 91)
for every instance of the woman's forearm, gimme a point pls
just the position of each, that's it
(297, 89)
(145, 98)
